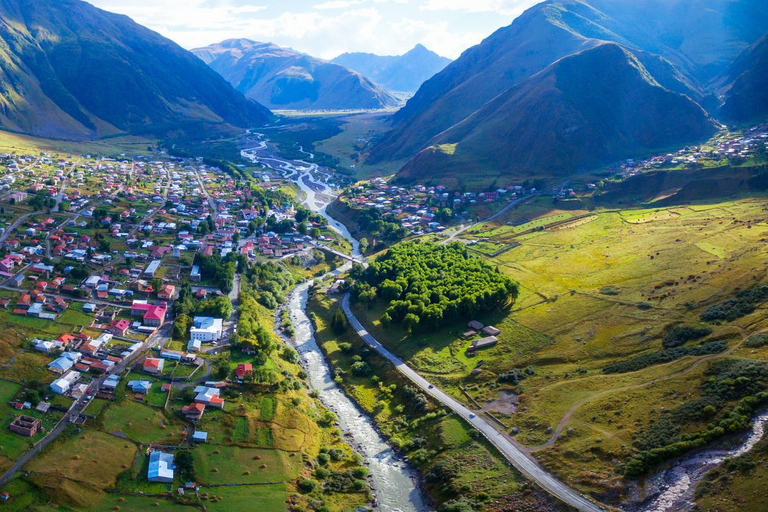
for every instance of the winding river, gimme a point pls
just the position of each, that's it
(393, 480)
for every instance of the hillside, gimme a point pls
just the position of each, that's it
(282, 78)
(594, 107)
(70, 70)
(555, 29)
(401, 73)
(747, 96)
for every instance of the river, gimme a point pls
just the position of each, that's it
(674, 487)
(670, 490)
(394, 482)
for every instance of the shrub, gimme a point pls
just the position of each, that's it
(681, 334)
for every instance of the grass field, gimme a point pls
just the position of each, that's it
(595, 291)
(235, 465)
(91, 457)
(141, 423)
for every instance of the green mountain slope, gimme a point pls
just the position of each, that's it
(747, 96)
(401, 73)
(591, 108)
(282, 78)
(691, 42)
(71, 70)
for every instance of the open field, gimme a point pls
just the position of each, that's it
(141, 423)
(91, 457)
(592, 294)
(235, 465)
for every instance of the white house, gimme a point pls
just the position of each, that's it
(206, 329)
(64, 383)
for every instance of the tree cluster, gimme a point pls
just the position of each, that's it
(426, 285)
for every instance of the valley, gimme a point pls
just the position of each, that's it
(288, 257)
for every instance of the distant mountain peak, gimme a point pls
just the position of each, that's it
(401, 73)
(283, 78)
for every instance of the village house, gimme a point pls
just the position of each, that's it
(161, 467)
(153, 365)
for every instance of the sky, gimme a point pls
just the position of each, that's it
(326, 28)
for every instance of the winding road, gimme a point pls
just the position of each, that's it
(519, 459)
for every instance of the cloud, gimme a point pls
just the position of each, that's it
(326, 28)
(504, 7)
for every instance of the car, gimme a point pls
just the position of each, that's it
(471, 415)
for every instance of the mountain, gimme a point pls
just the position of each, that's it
(684, 43)
(401, 73)
(746, 98)
(282, 78)
(70, 70)
(594, 107)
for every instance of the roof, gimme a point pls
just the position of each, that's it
(160, 466)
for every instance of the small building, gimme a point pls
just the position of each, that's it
(194, 346)
(194, 276)
(160, 467)
(475, 325)
(193, 412)
(490, 330)
(483, 343)
(25, 426)
(154, 365)
(243, 370)
(200, 436)
(65, 382)
(209, 396)
(119, 327)
(152, 268)
(140, 386)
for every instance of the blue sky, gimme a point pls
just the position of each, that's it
(326, 28)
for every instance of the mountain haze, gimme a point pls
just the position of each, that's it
(401, 73)
(596, 106)
(282, 78)
(68, 69)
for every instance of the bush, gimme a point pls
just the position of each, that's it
(744, 304)
(756, 340)
(681, 334)
(306, 486)
(665, 356)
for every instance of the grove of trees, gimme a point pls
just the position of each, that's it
(426, 285)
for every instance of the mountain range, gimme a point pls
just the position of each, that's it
(400, 73)
(682, 46)
(595, 106)
(281, 78)
(746, 89)
(70, 70)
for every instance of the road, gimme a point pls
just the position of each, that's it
(464, 228)
(519, 459)
(77, 407)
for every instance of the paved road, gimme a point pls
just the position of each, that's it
(520, 460)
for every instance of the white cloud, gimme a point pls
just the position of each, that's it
(326, 28)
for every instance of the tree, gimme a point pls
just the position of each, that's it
(181, 327)
(302, 228)
(363, 245)
(314, 232)
(410, 322)
(339, 322)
